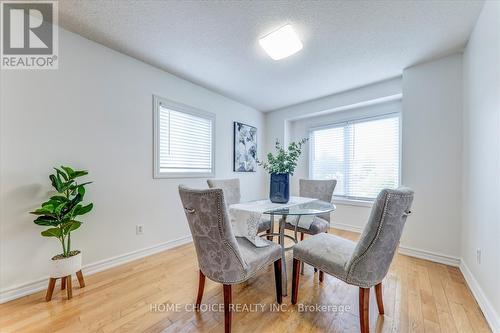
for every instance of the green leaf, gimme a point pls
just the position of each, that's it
(80, 210)
(68, 170)
(80, 173)
(52, 232)
(58, 198)
(61, 173)
(81, 190)
(71, 225)
(56, 183)
(43, 211)
(46, 220)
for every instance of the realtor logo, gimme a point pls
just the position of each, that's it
(29, 35)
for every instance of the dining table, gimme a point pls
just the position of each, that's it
(298, 211)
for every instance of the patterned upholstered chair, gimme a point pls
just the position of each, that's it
(321, 190)
(221, 256)
(232, 193)
(363, 264)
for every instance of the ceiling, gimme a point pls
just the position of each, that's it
(347, 44)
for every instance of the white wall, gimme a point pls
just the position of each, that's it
(481, 159)
(432, 125)
(346, 215)
(95, 112)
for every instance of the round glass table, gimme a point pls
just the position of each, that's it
(315, 207)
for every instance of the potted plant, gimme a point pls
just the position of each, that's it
(281, 166)
(60, 214)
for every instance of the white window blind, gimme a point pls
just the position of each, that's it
(184, 141)
(363, 156)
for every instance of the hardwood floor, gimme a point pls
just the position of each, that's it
(419, 296)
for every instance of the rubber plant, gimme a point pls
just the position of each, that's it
(61, 211)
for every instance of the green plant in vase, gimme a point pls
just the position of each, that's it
(61, 215)
(280, 166)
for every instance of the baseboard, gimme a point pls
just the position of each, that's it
(89, 269)
(489, 313)
(429, 255)
(346, 227)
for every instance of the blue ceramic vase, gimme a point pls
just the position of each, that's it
(279, 189)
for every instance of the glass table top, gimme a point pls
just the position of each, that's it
(308, 208)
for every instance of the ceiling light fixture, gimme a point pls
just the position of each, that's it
(281, 43)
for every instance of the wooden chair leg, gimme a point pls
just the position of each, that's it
(81, 281)
(63, 283)
(227, 309)
(303, 265)
(50, 289)
(295, 280)
(201, 288)
(269, 238)
(69, 287)
(277, 280)
(364, 301)
(380, 302)
(321, 274)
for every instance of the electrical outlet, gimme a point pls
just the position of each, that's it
(139, 229)
(478, 256)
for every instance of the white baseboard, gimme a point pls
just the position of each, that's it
(89, 269)
(406, 250)
(429, 255)
(489, 313)
(346, 227)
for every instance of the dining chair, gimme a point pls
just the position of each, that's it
(365, 263)
(222, 257)
(232, 194)
(321, 190)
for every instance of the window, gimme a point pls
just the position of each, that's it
(363, 155)
(183, 141)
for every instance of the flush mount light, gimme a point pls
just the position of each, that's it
(281, 43)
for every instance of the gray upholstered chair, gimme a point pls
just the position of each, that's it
(363, 264)
(232, 193)
(321, 190)
(222, 257)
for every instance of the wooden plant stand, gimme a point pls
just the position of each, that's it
(65, 284)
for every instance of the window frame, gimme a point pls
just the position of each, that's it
(176, 106)
(353, 200)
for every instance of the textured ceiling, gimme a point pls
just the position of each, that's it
(215, 43)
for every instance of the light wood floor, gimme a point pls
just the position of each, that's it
(419, 296)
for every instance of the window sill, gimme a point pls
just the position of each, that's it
(352, 202)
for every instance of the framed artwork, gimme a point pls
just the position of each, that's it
(245, 148)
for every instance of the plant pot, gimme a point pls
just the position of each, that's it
(61, 266)
(279, 189)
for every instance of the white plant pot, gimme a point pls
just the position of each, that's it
(65, 266)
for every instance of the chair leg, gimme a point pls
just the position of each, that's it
(295, 280)
(277, 280)
(50, 289)
(302, 266)
(269, 238)
(364, 301)
(63, 283)
(201, 288)
(227, 309)
(380, 302)
(69, 286)
(321, 275)
(81, 281)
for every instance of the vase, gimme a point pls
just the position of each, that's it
(61, 267)
(279, 189)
